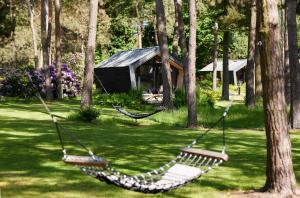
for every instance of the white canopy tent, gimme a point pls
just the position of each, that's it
(233, 66)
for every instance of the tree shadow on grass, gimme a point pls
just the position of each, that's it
(33, 147)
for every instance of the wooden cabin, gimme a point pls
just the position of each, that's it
(136, 69)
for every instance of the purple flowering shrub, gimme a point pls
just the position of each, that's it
(70, 83)
(17, 83)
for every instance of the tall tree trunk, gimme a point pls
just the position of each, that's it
(287, 63)
(86, 97)
(215, 57)
(225, 83)
(294, 64)
(139, 25)
(250, 97)
(258, 83)
(57, 48)
(30, 5)
(175, 35)
(155, 30)
(163, 44)
(182, 40)
(192, 104)
(279, 172)
(46, 27)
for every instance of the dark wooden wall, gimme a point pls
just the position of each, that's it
(114, 79)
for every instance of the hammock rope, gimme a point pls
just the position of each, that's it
(123, 111)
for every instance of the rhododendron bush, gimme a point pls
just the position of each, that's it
(17, 82)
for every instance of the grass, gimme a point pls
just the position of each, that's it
(31, 166)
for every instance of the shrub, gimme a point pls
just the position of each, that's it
(17, 83)
(179, 99)
(203, 96)
(86, 114)
(70, 83)
(209, 97)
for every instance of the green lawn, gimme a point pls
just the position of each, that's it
(31, 166)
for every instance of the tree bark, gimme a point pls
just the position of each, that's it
(58, 48)
(215, 57)
(250, 97)
(225, 84)
(163, 44)
(279, 172)
(294, 64)
(155, 30)
(30, 5)
(192, 103)
(182, 40)
(287, 62)
(86, 97)
(258, 83)
(175, 35)
(46, 26)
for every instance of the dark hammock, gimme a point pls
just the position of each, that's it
(137, 115)
(125, 112)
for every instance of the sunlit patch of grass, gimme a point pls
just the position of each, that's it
(31, 166)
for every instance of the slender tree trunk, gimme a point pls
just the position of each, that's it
(294, 64)
(11, 8)
(46, 41)
(258, 83)
(41, 61)
(175, 35)
(215, 57)
(192, 104)
(30, 5)
(225, 84)
(139, 25)
(163, 43)
(86, 97)
(182, 40)
(250, 97)
(50, 32)
(155, 30)
(279, 172)
(287, 63)
(57, 48)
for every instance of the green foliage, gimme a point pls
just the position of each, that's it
(205, 82)
(205, 22)
(7, 23)
(179, 99)
(238, 45)
(131, 99)
(209, 97)
(122, 38)
(87, 114)
(148, 38)
(204, 95)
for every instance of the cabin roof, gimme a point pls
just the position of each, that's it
(133, 58)
(233, 65)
